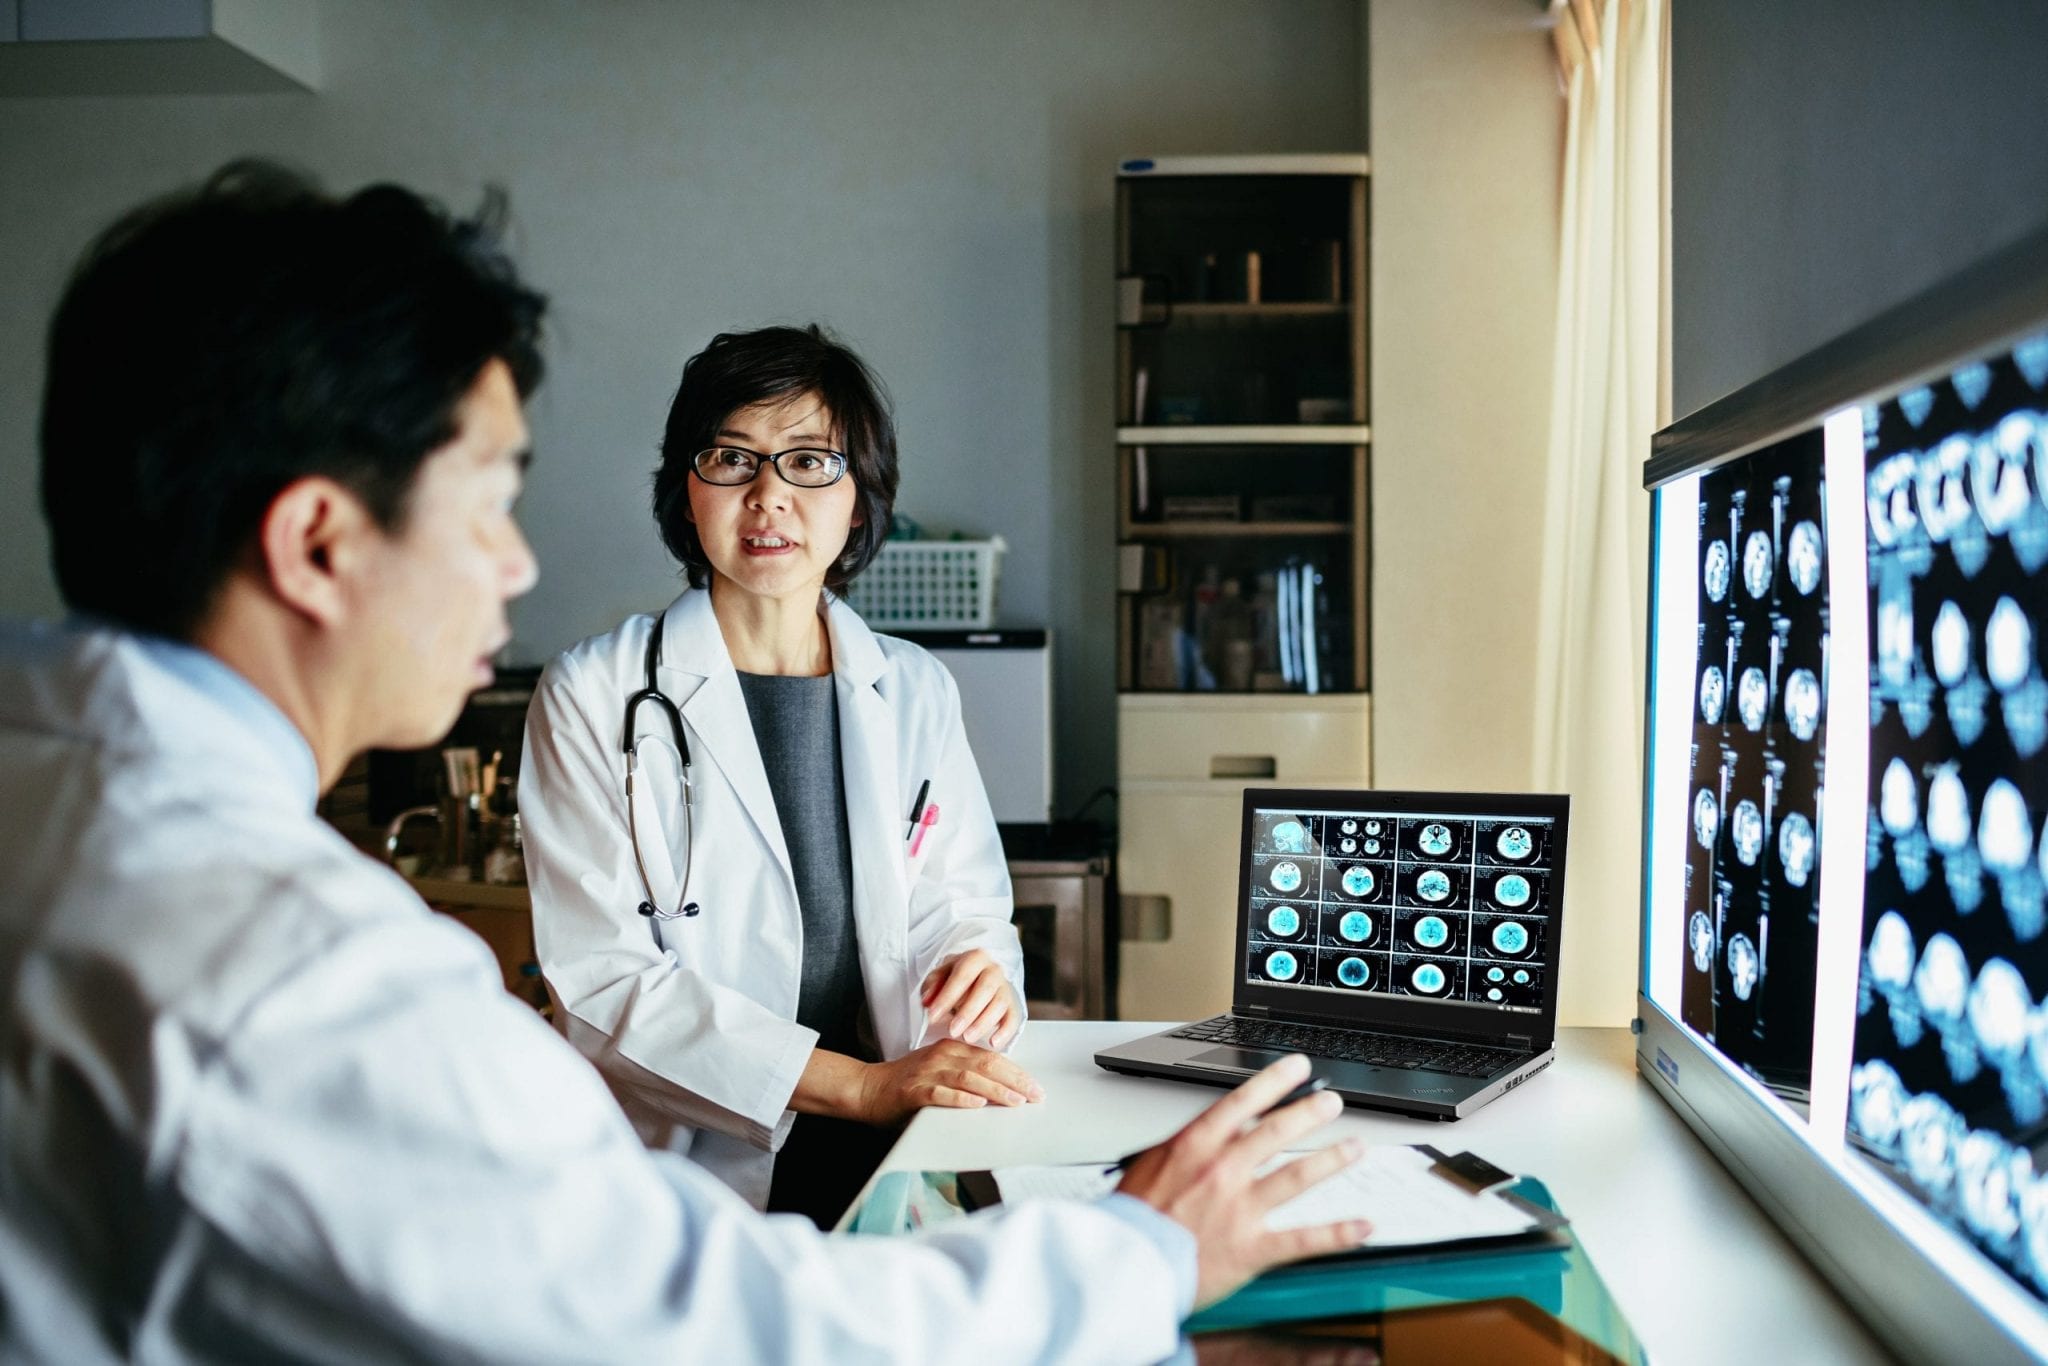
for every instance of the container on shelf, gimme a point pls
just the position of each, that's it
(930, 585)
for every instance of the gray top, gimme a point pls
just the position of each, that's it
(796, 725)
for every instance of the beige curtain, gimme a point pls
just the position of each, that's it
(1610, 358)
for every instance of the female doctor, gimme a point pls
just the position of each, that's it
(768, 894)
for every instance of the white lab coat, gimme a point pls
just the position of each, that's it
(260, 1104)
(693, 1020)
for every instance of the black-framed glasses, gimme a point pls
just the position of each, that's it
(808, 467)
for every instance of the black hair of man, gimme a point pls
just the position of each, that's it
(217, 345)
(740, 369)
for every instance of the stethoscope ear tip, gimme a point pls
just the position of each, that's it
(692, 908)
(647, 909)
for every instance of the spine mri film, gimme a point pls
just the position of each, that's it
(1751, 906)
(1951, 1044)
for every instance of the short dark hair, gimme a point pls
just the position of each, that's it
(216, 345)
(740, 369)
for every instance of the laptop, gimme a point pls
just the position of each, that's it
(1407, 942)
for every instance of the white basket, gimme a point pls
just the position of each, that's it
(930, 585)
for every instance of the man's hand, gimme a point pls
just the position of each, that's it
(947, 1073)
(983, 1004)
(1204, 1178)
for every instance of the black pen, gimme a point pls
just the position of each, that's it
(917, 807)
(1301, 1092)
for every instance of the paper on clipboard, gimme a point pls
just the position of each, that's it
(1393, 1186)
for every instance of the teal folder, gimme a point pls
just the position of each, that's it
(1552, 1272)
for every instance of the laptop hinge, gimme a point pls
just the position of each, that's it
(1523, 1042)
(1254, 1010)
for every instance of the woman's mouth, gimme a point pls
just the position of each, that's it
(766, 545)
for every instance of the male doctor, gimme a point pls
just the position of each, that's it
(256, 1102)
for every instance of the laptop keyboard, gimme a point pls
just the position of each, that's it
(1348, 1045)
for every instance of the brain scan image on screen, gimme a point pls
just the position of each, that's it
(1949, 1093)
(1449, 893)
(1758, 728)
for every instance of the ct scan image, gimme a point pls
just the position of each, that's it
(1454, 908)
(1949, 1086)
(1751, 890)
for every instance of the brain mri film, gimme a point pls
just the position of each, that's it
(1757, 563)
(1803, 557)
(1511, 890)
(1757, 724)
(1353, 972)
(1496, 974)
(1713, 694)
(1515, 843)
(1433, 886)
(1753, 699)
(1796, 848)
(1510, 937)
(1286, 877)
(1290, 838)
(1714, 574)
(1355, 927)
(1357, 882)
(1431, 932)
(1281, 966)
(1802, 704)
(1435, 839)
(1428, 979)
(1284, 921)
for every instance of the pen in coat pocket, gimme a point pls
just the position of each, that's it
(924, 825)
(917, 807)
(1301, 1092)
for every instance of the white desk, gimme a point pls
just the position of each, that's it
(1698, 1269)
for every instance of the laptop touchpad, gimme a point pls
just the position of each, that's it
(1246, 1059)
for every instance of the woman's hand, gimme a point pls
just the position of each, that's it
(983, 1004)
(947, 1073)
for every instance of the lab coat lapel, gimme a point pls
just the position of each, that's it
(708, 691)
(868, 752)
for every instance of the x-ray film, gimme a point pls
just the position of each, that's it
(1751, 909)
(1949, 1084)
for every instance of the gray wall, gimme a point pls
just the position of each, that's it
(932, 178)
(1831, 158)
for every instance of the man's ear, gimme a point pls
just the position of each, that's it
(312, 533)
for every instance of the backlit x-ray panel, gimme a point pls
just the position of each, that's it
(1949, 1084)
(1758, 741)
(1446, 907)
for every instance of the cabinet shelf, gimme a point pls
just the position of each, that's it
(1235, 309)
(1185, 531)
(1269, 434)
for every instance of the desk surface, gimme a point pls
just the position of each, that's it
(1701, 1272)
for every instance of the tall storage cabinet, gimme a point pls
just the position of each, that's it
(1243, 462)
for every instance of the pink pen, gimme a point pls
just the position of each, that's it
(925, 822)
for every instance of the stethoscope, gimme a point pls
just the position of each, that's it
(654, 694)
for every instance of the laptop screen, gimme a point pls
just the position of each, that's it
(1451, 905)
